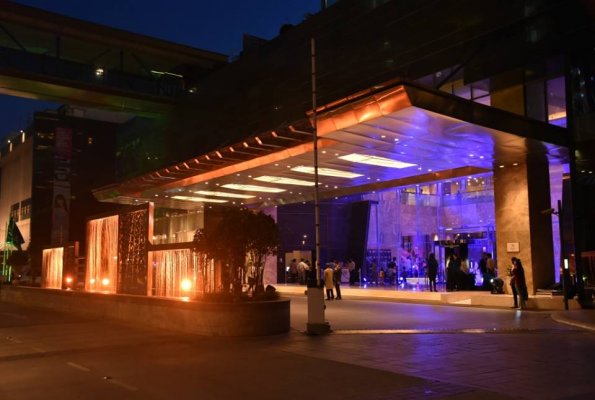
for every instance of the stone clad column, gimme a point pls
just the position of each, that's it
(520, 194)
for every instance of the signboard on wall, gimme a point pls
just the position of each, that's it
(512, 247)
(61, 196)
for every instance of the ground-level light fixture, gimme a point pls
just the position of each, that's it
(327, 172)
(105, 281)
(252, 188)
(92, 281)
(376, 160)
(186, 285)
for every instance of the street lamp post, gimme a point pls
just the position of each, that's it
(316, 321)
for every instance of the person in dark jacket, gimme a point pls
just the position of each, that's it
(337, 274)
(432, 272)
(518, 275)
(512, 285)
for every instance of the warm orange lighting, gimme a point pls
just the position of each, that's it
(105, 282)
(92, 281)
(69, 280)
(218, 154)
(186, 285)
(258, 140)
(186, 165)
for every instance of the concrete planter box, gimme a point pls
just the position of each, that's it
(215, 319)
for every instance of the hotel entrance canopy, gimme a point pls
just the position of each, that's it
(388, 136)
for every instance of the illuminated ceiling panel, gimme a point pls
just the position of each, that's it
(225, 194)
(253, 188)
(283, 181)
(375, 160)
(198, 199)
(327, 172)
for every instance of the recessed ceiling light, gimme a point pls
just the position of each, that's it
(501, 166)
(515, 164)
(198, 199)
(481, 157)
(225, 194)
(383, 136)
(375, 160)
(252, 188)
(327, 172)
(283, 181)
(396, 140)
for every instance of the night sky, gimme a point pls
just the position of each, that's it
(215, 25)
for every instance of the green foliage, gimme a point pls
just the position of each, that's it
(240, 233)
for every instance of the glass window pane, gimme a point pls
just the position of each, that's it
(535, 101)
(556, 101)
(483, 100)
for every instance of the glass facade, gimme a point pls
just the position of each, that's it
(411, 222)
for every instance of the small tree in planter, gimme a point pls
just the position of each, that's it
(240, 233)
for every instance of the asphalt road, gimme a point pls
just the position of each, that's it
(49, 355)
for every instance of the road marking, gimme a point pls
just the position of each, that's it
(124, 385)
(78, 366)
(15, 315)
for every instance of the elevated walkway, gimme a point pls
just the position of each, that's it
(465, 298)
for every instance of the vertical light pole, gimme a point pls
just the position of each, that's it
(315, 138)
(316, 323)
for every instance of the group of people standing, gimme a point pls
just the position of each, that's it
(300, 272)
(457, 271)
(332, 279)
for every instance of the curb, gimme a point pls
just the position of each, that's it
(558, 317)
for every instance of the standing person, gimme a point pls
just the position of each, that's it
(381, 277)
(512, 285)
(328, 282)
(404, 271)
(374, 271)
(352, 272)
(432, 272)
(451, 273)
(483, 269)
(463, 271)
(251, 274)
(302, 272)
(518, 274)
(491, 267)
(337, 275)
(310, 273)
(392, 270)
(293, 270)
